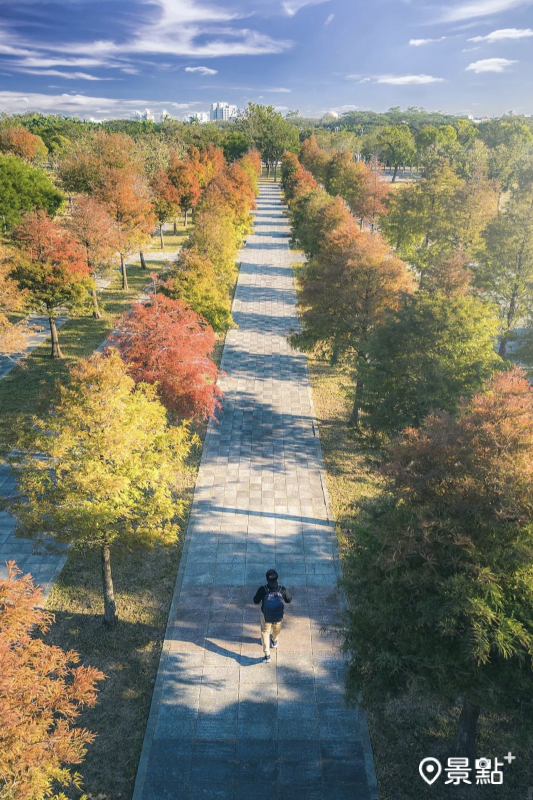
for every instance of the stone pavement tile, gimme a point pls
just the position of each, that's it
(158, 787)
(301, 772)
(203, 791)
(213, 762)
(213, 726)
(249, 791)
(172, 725)
(251, 729)
(258, 771)
(259, 503)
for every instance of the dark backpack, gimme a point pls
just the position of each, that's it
(273, 605)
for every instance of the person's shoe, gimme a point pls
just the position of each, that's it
(273, 643)
(267, 660)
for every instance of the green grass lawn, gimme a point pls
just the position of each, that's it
(172, 241)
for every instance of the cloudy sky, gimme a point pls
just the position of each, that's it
(106, 58)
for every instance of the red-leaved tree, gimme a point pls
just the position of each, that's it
(51, 267)
(167, 343)
(42, 693)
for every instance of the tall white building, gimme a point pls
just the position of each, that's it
(143, 115)
(198, 116)
(221, 111)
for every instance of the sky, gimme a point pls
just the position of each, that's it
(108, 58)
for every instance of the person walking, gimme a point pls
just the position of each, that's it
(272, 598)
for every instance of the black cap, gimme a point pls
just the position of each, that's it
(272, 576)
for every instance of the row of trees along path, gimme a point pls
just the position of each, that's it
(222, 722)
(29, 555)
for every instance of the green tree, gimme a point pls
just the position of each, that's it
(194, 280)
(269, 132)
(440, 577)
(436, 348)
(505, 267)
(437, 216)
(346, 178)
(108, 467)
(313, 216)
(396, 146)
(25, 188)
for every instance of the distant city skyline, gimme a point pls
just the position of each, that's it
(111, 58)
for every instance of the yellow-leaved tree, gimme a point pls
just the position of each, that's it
(102, 470)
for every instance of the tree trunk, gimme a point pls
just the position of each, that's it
(175, 228)
(124, 272)
(143, 262)
(268, 169)
(110, 611)
(185, 218)
(56, 350)
(161, 236)
(275, 172)
(96, 308)
(354, 418)
(465, 739)
(502, 349)
(395, 173)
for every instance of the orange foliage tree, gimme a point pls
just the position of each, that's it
(51, 267)
(186, 181)
(347, 287)
(166, 200)
(42, 693)
(372, 201)
(126, 195)
(91, 224)
(166, 343)
(314, 158)
(20, 142)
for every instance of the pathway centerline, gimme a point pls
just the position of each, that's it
(223, 724)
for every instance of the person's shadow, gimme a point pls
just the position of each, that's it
(243, 661)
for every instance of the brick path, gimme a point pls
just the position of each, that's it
(223, 724)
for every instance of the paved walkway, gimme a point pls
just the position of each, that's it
(223, 724)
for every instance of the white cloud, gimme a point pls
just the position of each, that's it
(280, 89)
(69, 76)
(421, 42)
(397, 80)
(329, 19)
(490, 65)
(479, 8)
(202, 70)
(171, 27)
(291, 7)
(503, 34)
(78, 104)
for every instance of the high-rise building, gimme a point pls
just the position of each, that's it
(198, 116)
(145, 115)
(220, 111)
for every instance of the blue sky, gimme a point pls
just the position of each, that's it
(106, 58)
